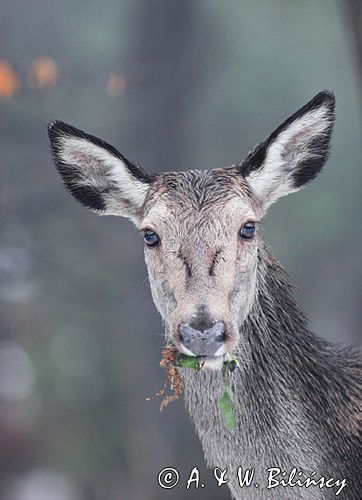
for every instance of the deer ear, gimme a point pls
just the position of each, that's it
(96, 174)
(295, 152)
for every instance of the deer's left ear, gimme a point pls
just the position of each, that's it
(96, 174)
(295, 152)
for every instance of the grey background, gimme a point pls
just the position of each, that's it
(80, 339)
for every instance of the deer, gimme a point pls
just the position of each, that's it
(220, 291)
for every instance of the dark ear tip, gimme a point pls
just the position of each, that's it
(51, 124)
(51, 128)
(328, 93)
(326, 97)
(54, 127)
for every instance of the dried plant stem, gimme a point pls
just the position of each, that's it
(173, 379)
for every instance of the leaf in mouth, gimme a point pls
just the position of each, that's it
(172, 359)
(184, 361)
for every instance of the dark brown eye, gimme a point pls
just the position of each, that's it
(151, 238)
(247, 231)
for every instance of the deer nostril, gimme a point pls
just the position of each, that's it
(186, 333)
(219, 331)
(203, 342)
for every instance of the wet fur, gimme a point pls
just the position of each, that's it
(301, 398)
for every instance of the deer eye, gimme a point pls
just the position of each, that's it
(247, 231)
(151, 238)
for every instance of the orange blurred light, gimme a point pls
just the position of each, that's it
(9, 82)
(43, 73)
(116, 84)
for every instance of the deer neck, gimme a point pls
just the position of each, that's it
(278, 356)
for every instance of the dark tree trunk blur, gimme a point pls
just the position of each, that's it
(172, 53)
(353, 14)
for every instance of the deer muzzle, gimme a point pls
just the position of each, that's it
(206, 342)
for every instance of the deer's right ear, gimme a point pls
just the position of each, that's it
(294, 153)
(96, 174)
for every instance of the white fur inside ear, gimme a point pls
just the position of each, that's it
(96, 167)
(290, 148)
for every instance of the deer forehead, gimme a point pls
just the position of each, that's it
(199, 202)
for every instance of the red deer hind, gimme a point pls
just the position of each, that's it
(219, 290)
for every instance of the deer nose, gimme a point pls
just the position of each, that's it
(204, 342)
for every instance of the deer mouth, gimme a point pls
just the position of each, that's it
(212, 363)
(210, 344)
(199, 363)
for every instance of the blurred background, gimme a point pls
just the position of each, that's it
(174, 85)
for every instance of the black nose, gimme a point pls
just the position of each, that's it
(203, 342)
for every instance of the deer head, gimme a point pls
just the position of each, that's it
(200, 227)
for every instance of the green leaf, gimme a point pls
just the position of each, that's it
(226, 409)
(185, 361)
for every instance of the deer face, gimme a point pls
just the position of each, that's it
(200, 227)
(202, 267)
